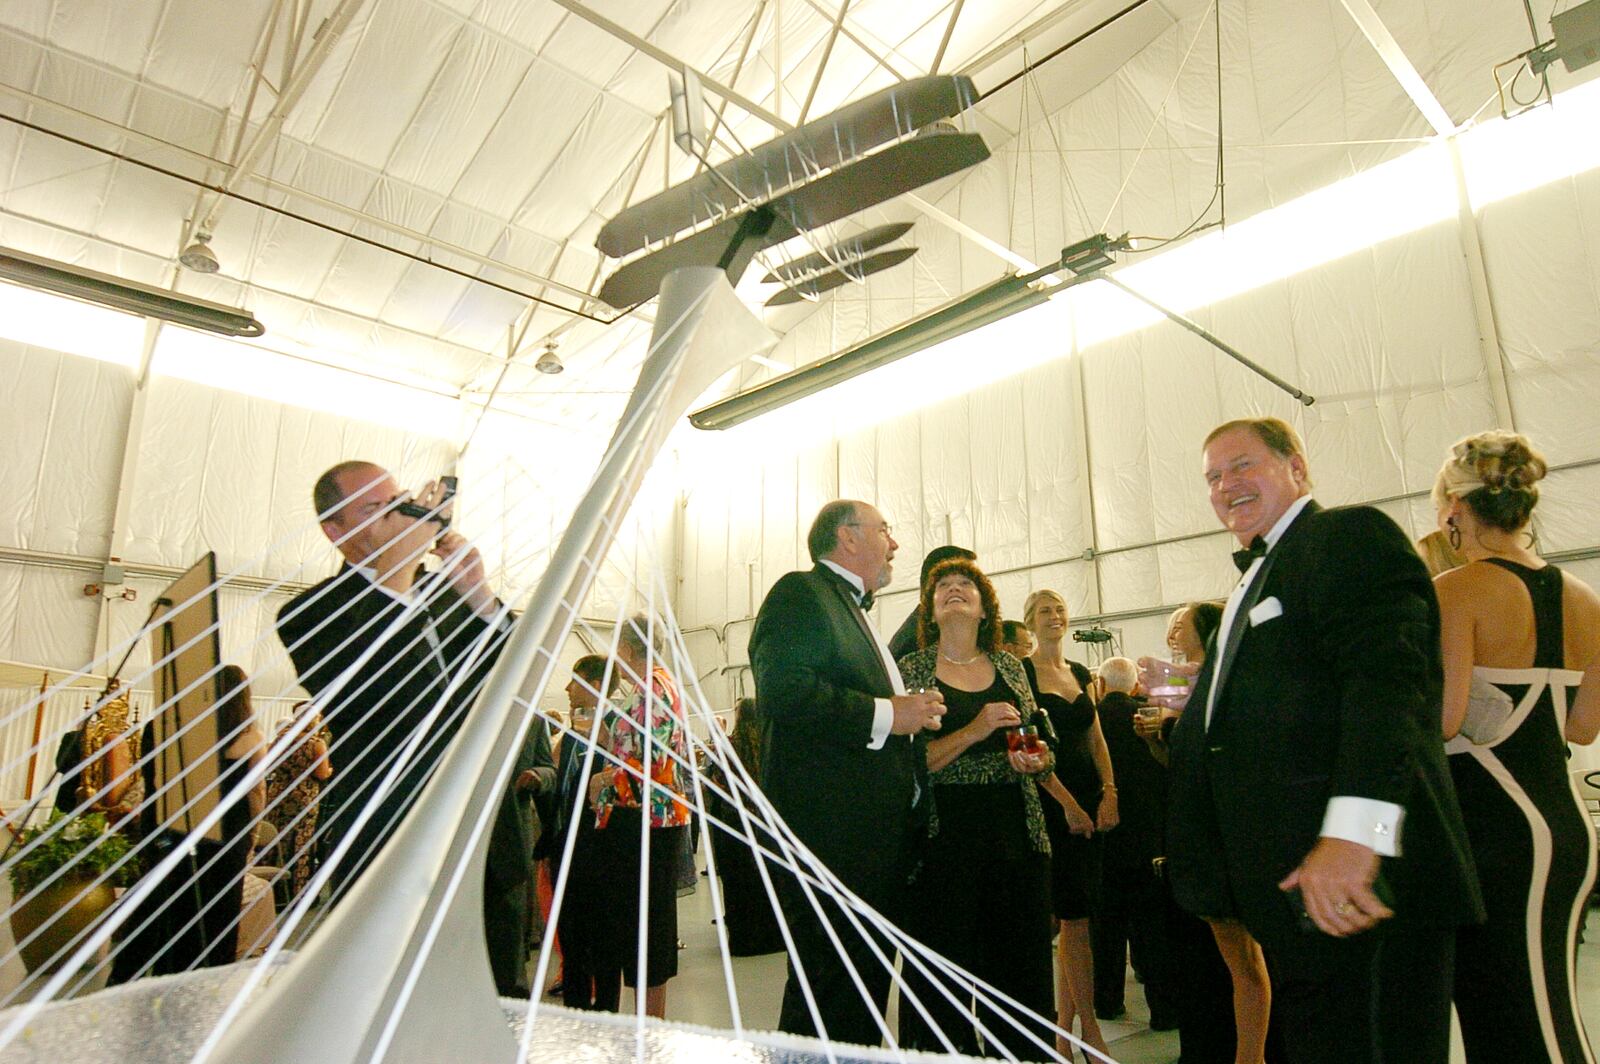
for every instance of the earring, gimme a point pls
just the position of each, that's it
(1455, 533)
(1532, 539)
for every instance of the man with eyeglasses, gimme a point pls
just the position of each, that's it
(377, 646)
(840, 762)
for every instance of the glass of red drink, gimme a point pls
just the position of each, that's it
(1024, 740)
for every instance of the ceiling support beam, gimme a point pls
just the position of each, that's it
(266, 134)
(855, 39)
(1395, 58)
(1467, 229)
(944, 42)
(822, 65)
(126, 479)
(665, 58)
(738, 68)
(987, 243)
(355, 214)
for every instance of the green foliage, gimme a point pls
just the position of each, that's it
(86, 835)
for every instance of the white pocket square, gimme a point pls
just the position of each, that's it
(1266, 610)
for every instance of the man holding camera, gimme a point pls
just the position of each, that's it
(381, 645)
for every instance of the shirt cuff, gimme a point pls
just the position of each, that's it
(882, 723)
(1366, 821)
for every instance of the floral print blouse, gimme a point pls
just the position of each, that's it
(668, 732)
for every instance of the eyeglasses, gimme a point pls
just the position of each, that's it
(887, 528)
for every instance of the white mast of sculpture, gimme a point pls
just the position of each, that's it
(400, 971)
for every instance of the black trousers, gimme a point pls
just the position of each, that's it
(191, 919)
(992, 918)
(846, 1016)
(1132, 915)
(1386, 1000)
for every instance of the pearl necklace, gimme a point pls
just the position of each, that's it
(953, 661)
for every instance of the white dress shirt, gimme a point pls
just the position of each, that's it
(883, 709)
(1366, 821)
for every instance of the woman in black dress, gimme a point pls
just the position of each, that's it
(1521, 646)
(984, 881)
(591, 974)
(1085, 796)
(1226, 1000)
(747, 906)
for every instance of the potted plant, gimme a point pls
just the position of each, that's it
(68, 903)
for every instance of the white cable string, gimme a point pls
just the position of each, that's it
(266, 764)
(245, 786)
(640, 407)
(1161, 111)
(138, 767)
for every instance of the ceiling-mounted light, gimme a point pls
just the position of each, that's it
(549, 362)
(198, 256)
(50, 276)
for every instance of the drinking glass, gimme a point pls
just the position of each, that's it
(1024, 739)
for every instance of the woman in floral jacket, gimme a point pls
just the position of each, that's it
(984, 886)
(618, 794)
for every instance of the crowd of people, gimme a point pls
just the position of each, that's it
(1339, 803)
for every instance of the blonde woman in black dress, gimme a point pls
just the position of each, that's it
(1085, 802)
(1521, 646)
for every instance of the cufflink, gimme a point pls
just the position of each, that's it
(1380, 828)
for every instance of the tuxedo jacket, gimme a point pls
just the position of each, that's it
(1139, 836)
(327, 629)
(1330, 685)
(817, 671)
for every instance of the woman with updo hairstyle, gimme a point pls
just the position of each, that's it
(1521, 643)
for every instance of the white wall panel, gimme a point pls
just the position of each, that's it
(899, 494)
(66, 418)
(83, 449)
(998, 460)
(1058, 523)
(1119, 466)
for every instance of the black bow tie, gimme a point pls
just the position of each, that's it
(866, 602)
(1256, 549)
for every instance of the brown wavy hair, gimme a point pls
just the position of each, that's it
(988, 628)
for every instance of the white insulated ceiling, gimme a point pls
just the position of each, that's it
(495, 136)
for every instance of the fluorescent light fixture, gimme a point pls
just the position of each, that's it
(1501, 158)
(58, 324)
(256, 371)
(129, 296)
(1001, 299)
(1507, 158)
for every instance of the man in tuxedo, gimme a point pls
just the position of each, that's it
(1309, 790)
(406, 639)
(838, 761)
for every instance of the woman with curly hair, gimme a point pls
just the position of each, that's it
(985, 877)
(1521, 644)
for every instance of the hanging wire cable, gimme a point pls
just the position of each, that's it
(1219, 194)
(1156, 119)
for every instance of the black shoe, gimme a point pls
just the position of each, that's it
(1163, 1023)
(1114, 1012)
